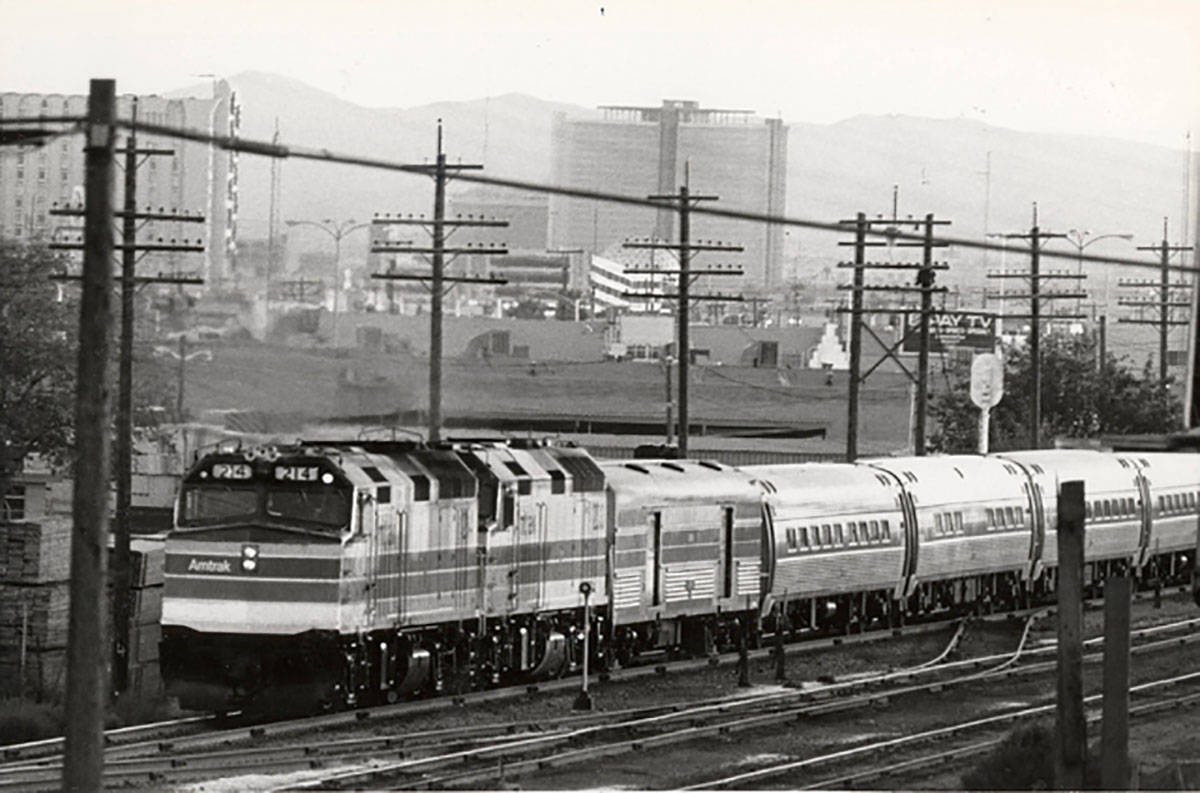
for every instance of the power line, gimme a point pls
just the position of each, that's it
(278, 150)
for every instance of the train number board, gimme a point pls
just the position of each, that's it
(297, 473)
(974, 330)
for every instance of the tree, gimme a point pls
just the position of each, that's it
(39, 330)
(39, 326)
(1078, 400)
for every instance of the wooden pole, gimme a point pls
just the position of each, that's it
(1072, 726)
(124, 442)
(83, 749)
(685, 257)
(1114, 739)
(856, 306)
(436, 293)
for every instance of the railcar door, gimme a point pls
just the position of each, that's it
(368, 530)
(400, 568)
(1037, 522)
(767, 572)
(912, 541)
(1143, 486)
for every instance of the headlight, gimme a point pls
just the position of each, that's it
(250, 551)
(249, 565)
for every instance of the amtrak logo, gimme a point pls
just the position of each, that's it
(209, 566)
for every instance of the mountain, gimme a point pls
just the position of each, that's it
(510, 134)
(834, 170)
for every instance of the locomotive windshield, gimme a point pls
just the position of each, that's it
(325, 506)
(216, 503)
(305, 492)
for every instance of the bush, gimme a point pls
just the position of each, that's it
(22, 720)
(1025, 761)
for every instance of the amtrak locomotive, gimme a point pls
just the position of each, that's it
(334, 574)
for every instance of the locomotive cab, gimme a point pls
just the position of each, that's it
(253, 581)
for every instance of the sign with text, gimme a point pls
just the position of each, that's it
(974, 330)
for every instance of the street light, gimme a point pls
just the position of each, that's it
(337, 230)
(1082, 238)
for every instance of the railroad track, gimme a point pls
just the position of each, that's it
(203, 756)
(487, 766)
(958, 732)
(198, 732)
(178, 750)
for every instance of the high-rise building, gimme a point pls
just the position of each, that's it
(641, 151)
(197, 178)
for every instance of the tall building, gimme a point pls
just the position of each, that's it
(642, 151)
(197, 178)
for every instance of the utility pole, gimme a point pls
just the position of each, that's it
(120, 571)
(683, 203)
(336, 230)
(273, 217)
(83, 745)
(1170, 296)
(436, 254)
(1035, 276)
(926, 272)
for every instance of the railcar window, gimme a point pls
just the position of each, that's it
(324, 506)
(958, 522)
(1001, 521)
(1108, 510)
(991, 518)
(937, 523)
(791, 539)
(1011, 515)
(854, 533)
(213, 503)
(1087, 510)
(886, 529)
(838, 535)
(804, 536)
(874, 535)
(1129, 508)
(826, 534)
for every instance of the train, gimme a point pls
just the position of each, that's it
(324, 574)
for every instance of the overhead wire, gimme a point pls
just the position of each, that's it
(280, 151)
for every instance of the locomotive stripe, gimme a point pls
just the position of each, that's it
(269, 565)
(272, 616)
(181, 546)
(221, 587)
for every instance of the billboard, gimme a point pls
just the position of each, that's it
(974, 330)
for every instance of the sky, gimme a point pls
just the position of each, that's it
(1115, 68)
